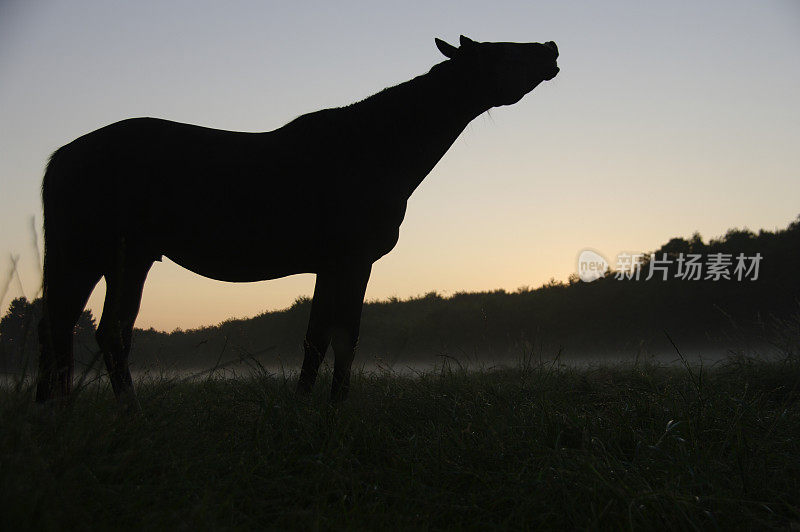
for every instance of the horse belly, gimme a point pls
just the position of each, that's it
(239, 262)
(228, 235)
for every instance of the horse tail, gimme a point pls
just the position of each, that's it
(49, 203)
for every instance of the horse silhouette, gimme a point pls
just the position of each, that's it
(324, 194)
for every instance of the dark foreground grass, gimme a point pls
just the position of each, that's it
(637, 447)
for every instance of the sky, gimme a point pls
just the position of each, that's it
(666, 118)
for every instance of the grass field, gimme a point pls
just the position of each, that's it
(537, 446)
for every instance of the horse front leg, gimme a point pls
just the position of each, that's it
(347, 320)
(318, 335)
(335, 318)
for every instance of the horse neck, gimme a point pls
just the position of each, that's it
(445, 98)
(423, 117)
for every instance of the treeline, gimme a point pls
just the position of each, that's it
(720, 308)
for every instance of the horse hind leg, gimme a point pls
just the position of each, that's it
(124, 286)
(68, 282)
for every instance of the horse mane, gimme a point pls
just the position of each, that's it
(400, 94)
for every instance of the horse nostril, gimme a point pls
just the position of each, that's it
(552, 46)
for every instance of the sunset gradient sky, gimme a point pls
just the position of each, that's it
(663, 121)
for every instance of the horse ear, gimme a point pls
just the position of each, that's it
(465, 41)
(447, 49)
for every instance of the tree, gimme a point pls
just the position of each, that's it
(19, 341)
